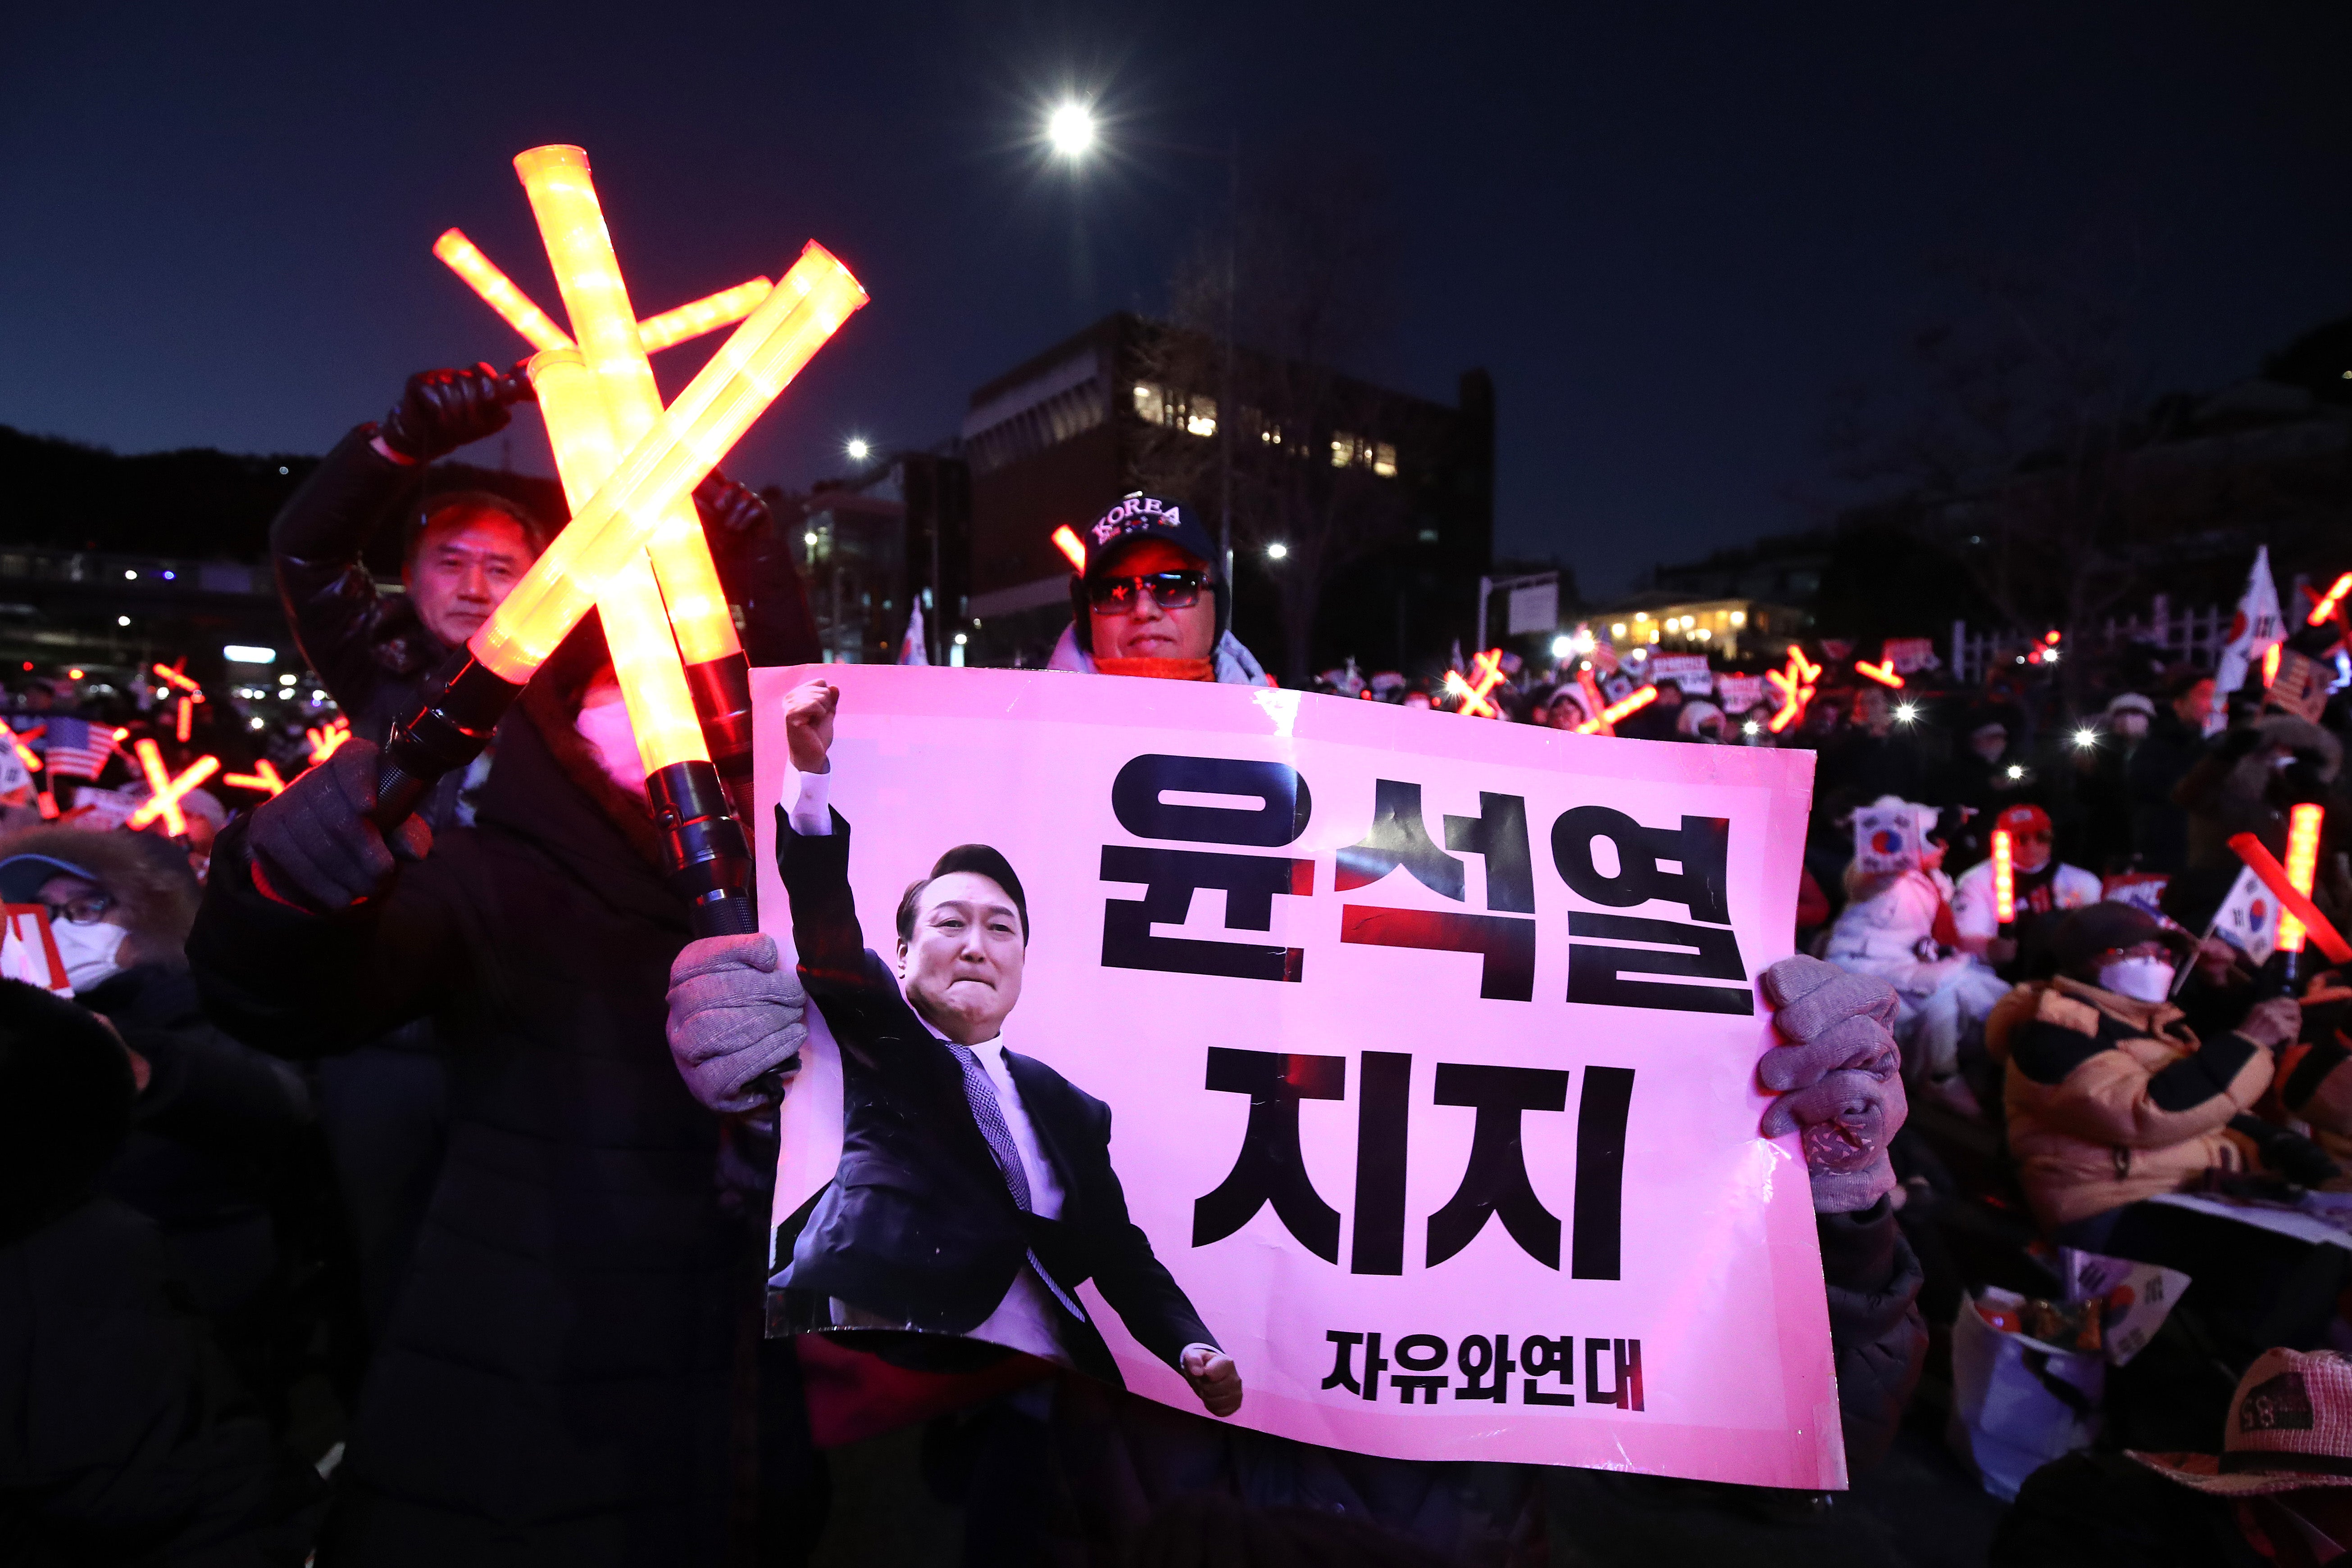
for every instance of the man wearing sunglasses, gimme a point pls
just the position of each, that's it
(2040, 885)
(1150, 602)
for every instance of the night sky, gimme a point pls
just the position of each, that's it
(1669, 231)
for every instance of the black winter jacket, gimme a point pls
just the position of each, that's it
(553, 1383)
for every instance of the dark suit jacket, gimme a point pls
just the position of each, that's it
(918, 1224)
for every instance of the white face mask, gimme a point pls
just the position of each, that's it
(89, 952)
(606, 728)
(2141, 979)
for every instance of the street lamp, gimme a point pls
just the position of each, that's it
(857, 448)
(1277, 550)
(1070, 129)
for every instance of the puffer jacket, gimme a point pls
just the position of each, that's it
(2112, 1100)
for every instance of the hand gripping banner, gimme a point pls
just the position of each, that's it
(1406, 1060)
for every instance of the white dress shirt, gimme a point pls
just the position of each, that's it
(1025, 1319)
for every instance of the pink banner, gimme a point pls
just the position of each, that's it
(1428, 1046)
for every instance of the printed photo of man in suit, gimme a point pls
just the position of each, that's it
(975, 1192)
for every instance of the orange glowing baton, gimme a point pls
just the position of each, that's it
(2302, 867)
(325, 739)
(750, 371)
(707, 314)
(166, 800)
(1617, 712)
(2323, 609)
(263, 778)
(25, 753)
(1486, 674)
(2292, 901)
(2004, 878)
(498, 290)
(172, 675)
(637, 629)
(1883, 673)
(2270, 664)
(1066, 541)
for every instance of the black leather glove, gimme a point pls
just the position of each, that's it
(729, 507)
(2290, 1154)
(313, 848)
(442, 410)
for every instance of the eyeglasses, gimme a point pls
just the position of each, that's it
(1168, 590)
(85, 911)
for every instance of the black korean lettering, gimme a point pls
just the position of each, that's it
(1494, 1180)
(1486, 1367)
(1499, 835)
(1397, 837)
(1419, 1355)
(1625, 1356)
(1283, 808)
(1270, 1168)
(1596, 974)
(1249, 882)
(1343, 1361)
(1601, 1110)
(1374, 1364)
(1540, 1358)
(1383, 1117)
(1506, 943)
(1700, 848)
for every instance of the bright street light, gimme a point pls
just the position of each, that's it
(857, 448)
(1071, 129)
(1562, 645)
(1277, 550)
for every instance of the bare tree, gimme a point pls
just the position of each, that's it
(1314, 470)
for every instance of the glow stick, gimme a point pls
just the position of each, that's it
(1066, 541)
(707, 314)
(1486, 674)
(563, 199)
(173, 676)
(499, 292)
(185, 722)
(25, 753)
(2004, 878)
(2302, 867)
(165, 801)
(325, 741)
(636, 629)
(1611, 716)
(750, 371)
(2292, 899)
(264, 778)
(2270, 664)
(1884, 674)
(2323, 609)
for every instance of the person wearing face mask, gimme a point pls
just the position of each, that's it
(215, 1123)
(2042, 888)
(2112, 1099)
(555, 1376)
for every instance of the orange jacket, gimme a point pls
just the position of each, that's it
(2112, 1100)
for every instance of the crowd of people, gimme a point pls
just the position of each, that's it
(399, 1195)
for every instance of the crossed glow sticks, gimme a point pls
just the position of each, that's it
(1486, 674)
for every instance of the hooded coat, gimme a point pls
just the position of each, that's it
(553, 1381)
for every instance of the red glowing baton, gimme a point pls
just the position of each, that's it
(1884, 674)
(1066, 541)
(2004, 878)
(1616, 712)
(2302, 867)
(263, 778)
(2292, 899)
(2323, 607)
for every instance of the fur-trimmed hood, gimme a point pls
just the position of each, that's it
(147, 876)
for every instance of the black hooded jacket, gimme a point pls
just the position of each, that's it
(554, 1381)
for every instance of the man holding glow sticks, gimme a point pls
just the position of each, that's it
(556, 1376)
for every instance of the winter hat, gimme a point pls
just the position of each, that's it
(2132, 702)
(2086, 933)
(2290, 1427)
(1694, 714)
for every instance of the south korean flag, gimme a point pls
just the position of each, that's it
(2248, 918)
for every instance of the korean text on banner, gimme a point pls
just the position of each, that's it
(1420, 1054)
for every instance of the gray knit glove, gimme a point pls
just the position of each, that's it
(1840, 1077)
(735, 1012)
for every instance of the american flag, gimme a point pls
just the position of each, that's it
(77, 748)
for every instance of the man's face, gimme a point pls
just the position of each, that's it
(2029, 848)
(1145, 628)
(462, 569)
(2195, 705)
(962, 968)
(1989, 742)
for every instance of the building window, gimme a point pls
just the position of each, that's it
(1384, 459)
(1345, 449)
(1150, 404)
(1200, 416)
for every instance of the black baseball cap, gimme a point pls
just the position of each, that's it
(1138, 515)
